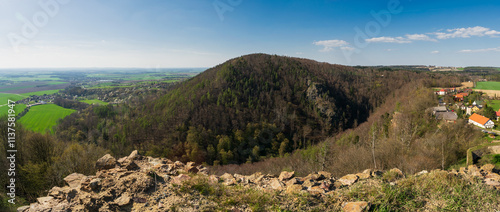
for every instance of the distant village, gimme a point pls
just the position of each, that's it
(464, 103)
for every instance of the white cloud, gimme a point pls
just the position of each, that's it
(329, 45)
(478, 31)
(347, 48)
(480, 50)
(420, 37)
(435, 52)
(387, 40)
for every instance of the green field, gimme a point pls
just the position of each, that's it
(94, 101)
(4, 97)
(495, 104)
(488, 85)
(30, 77)
(40, 93)
(43, 117)
(18, 108)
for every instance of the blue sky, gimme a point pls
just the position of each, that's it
(204, 33)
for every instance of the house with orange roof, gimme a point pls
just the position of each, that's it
(498, 114)
(460, 96)
(481, 121)
(441, 92)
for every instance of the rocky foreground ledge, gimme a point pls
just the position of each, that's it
(137, 183)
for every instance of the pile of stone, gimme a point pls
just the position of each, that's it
(137, 183)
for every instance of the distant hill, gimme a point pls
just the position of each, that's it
(258, 106)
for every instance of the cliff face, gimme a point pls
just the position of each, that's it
(137, 183)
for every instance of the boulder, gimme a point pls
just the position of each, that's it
(256, 177)
(491, 182)
(228, 179)
(325, 186)
(295, 188)
(23, 208)
(276, 184)
(123, 200)
(356, 206)
(309, 183)
(95, 184)
(130, 165)
(474, 171)
(293, 181)
(315, 177)
(327, 175)
(348, 179)
(422, 172)
(213, 179)
(363, 176)
(398, 172)
(191, 168)
(134, 156)
(180, 179)
(44, 200)
(178, 165)
(284, 176)
(106, 162)
(488, 168)
(75, 180)
(493, 176)
(64, 193)
(316, 190)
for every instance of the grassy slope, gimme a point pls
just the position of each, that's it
(39, 93)
(18, 108)
(488, 85)
(94, 101)
(495, 104)
(43, 117)
(4, 97)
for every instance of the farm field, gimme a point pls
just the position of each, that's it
(4, 97)
(40, 93)
(94, 101)
(495, 104)
(488, 85)
(18, 108)
(41, 118)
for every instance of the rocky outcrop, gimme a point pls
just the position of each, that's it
(137, 183)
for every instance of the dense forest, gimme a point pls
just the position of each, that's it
(273, 109)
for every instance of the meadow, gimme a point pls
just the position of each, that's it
(94, 101)
(495, 104)
(18, 108)
(488, 85)
(41, 93)
(42, 118)
(4, 97)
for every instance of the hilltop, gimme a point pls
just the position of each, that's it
(252, 107)
(137, 183)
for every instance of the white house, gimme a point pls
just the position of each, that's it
(481, 121)
(442, 92)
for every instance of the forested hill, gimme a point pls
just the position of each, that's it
(258, 106)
